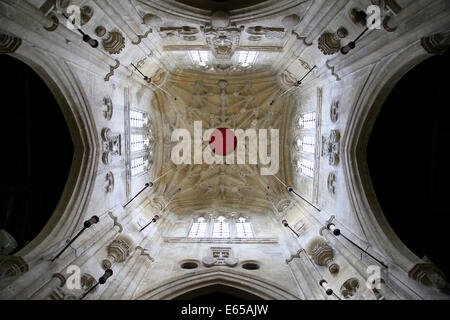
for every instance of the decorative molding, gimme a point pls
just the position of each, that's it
(111, 71)
(140, 37)
(333, 73)
(295, 255)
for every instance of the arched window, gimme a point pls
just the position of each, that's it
(138, 166)
(307, 167)
(198, 228)
(243, 228)
(221, 228)
(307, 121)
(138, 119)
(138, 142)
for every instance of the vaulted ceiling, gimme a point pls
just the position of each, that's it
(219, 101)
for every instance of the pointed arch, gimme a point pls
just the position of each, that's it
(254, 285)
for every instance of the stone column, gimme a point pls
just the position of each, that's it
(302, 270)
(57, 281)
(49, 24)
(85, 256)
(138, 273)
(118, 20)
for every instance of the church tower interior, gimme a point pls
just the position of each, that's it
(210, 150)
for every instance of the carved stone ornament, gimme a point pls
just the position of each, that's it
(331, 183)
(223, 41)
(109, 182)
(283, 206)
(118, 251)
(330, 43)
(220, 257)
(322, 254)
(86, 14)
(437, 43)
(334, 112)
(11, 266)
(111, 145)
(114, 42)
(107, 108)
(349, 288)
(9, 44)
(330, 147)
(100, 31)
(186, 33)
(258, 33)
(428, 274)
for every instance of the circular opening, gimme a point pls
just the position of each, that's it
(250, 266)
(189, 265)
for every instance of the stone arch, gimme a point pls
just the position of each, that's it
(68, 215)
(180, 285)
(359, 184)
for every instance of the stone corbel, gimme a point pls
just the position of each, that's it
(9, 44)
(323, 254)
(118, 251)
(11, 266)
(428, 274)
(438, 43)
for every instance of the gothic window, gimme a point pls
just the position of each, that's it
(198, 229)
(243, 229)
(137, 119)
(307, 167)
(221, 228)
(138, 142)
(138, 166)
(199, 57)
(247, 58)
(308, 121)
